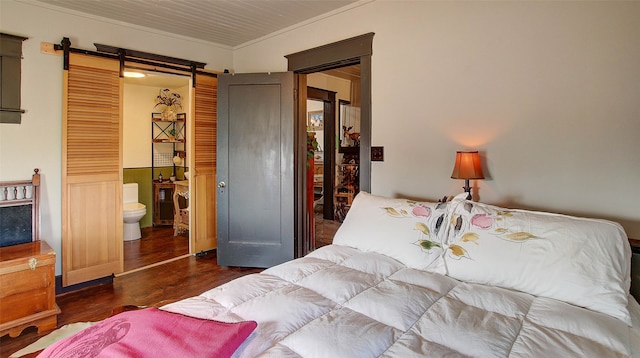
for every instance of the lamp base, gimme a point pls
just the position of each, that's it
(467, 189)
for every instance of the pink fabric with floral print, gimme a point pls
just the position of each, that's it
(152, 332)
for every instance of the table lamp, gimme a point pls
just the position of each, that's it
(467, 167)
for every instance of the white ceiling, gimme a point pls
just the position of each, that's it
(225, 22)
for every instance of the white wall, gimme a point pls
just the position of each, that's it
(136, 125)
(36, 143)
(547, 91)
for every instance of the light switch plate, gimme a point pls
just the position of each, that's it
(377, 154)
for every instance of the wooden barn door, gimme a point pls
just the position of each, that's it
(203, 165)
(91, 169)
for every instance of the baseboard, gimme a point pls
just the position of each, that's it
(65, 289)
(206, 253)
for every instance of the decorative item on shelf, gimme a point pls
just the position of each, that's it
(467, 167)
(349, 123)
(350, 139)
(169, 114)
(160, 178)
(172, 178)
(171, 102)
(312, 147)
(172, 135)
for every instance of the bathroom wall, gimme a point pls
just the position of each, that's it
(139, 103)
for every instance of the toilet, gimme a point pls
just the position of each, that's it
(133, 211)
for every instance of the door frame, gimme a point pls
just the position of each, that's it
(328, 98)
(347, 52)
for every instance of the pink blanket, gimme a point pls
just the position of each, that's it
(152, 332)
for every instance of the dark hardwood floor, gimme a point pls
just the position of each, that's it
(156, 245)
(164, 283)
(155, 285)
(325, 229)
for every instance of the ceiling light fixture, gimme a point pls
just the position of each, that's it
(133, 74)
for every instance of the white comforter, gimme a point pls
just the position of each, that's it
(342, 302)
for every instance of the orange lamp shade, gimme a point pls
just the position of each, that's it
(467, 166)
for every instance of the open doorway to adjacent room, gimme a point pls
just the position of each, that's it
(333, 118)
(349, 59)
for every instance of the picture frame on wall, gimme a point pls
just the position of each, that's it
(315, 121)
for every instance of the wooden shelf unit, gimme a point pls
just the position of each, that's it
(346, 189)
(167, 136)
(163, 203)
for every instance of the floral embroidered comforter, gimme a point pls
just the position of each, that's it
(459, 278)
(343, 302)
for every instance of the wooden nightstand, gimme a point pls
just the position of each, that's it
(27, 288)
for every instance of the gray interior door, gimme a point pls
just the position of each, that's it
(255, 201)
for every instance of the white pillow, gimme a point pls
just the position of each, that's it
(585, 262)
(408, 231)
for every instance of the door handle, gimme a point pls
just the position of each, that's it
(221, 184)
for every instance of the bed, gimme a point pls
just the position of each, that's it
(459, 278)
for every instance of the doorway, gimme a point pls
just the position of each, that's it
(321, 109)
(352, 51)
(335, 94)
(149, 156)
(92, 160)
